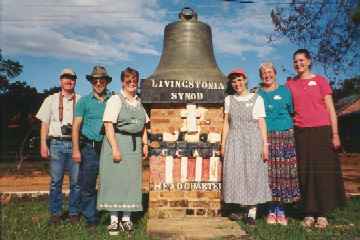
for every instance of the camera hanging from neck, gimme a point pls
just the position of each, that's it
(61, 105)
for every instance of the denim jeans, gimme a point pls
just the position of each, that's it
(89, 169)
(61, 160)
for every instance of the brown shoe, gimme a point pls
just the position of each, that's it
(55, 219)
(74, 219)
(91, 228)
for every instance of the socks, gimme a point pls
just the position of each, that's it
(280, 211)
(272, 209)
(252, 212)
(114, 217)
(126, 216)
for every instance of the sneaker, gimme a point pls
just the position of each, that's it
(128, 226)
(282, 220)
(321, 223)
(113, 229)
(271, 218)
(308, 222)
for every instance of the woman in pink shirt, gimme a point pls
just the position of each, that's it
(317, 139)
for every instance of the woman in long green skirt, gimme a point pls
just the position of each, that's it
(121, 154)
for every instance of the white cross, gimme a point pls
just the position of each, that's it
(191, 114)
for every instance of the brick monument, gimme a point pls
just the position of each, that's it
(185, 97)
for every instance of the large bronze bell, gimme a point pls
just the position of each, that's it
(187, 72)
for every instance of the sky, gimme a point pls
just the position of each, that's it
(48, 36)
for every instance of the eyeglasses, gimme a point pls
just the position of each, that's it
(101, 81)
(134, 81)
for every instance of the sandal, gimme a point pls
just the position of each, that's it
(308, 222)
(321, 223)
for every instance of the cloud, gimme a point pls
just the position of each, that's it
(243, 30)
(87, 30)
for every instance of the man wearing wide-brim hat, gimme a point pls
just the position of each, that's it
(56, 116)
(87, 127)
(99, 72)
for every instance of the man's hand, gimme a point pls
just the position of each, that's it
(76, 155)
(44, 151)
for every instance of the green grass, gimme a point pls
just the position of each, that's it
(344, 225)
(28, 219)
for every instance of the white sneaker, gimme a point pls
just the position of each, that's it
(128, 226)
(113, 229)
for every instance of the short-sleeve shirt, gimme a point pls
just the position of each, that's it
(309, 101)
(113, 107)
(258, 110)
(49, 113)
(91, 110)
(278, 108)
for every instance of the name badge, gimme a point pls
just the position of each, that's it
(312, 83)
(277, 97)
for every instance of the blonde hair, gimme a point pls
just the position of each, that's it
(266, 65)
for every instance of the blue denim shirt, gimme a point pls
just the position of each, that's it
(91, 110)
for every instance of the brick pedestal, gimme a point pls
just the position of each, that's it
(185, 185)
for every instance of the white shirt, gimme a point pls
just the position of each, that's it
(259, 107)
(49, 113)
(113, 107)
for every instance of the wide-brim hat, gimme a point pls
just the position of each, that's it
(99, 72)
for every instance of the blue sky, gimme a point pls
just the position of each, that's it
(47, 36)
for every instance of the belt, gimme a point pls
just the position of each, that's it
(133, 137)
(60, 138)
(95, 144)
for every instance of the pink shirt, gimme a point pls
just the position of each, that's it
(309, 101)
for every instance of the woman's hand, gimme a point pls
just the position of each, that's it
(116, 155)
(146, 150)
(222, 150)
(265, 153)
(336, 141)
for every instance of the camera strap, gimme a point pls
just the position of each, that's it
(61, 106)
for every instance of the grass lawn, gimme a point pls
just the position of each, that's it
(27, 219)
(344, 225)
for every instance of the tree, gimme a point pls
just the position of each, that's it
(329, 29)
(8, 69)
(346, 88)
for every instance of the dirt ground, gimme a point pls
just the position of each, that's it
(33, 176)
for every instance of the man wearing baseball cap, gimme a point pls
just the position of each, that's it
(56, 116)
(87, 130)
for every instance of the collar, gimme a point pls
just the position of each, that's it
(107, 95)
(122, 93)
(71, 97)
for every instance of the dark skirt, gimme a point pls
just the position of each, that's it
(282, 166)
(321, 184)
